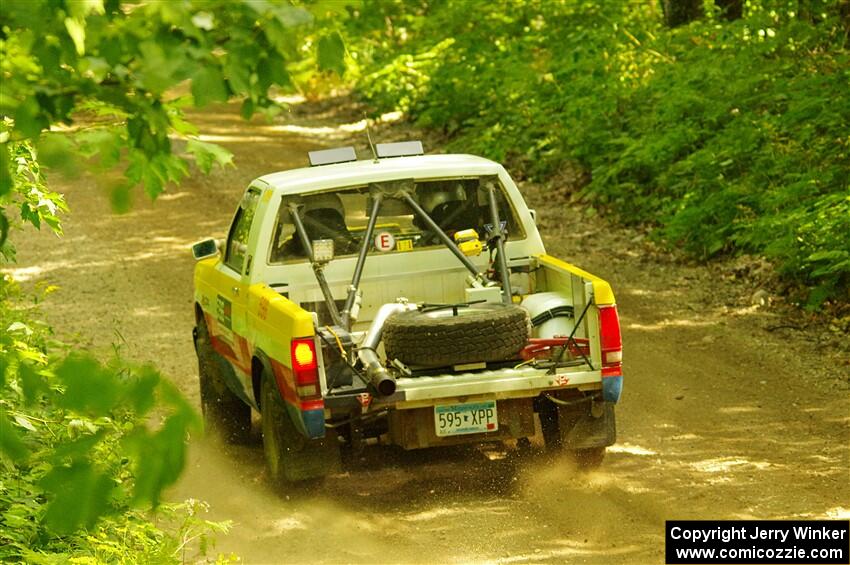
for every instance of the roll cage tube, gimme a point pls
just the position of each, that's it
(499, 238)
(447, 241)
(318, 269)
(361, 260)
(378, 193)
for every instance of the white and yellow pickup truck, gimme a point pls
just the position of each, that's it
(404, 299)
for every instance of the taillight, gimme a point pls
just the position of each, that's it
(611, 341)
(305, 368)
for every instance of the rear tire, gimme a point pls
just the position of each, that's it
(290, 456)
(225, 414)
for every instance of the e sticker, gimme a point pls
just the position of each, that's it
(384, 241)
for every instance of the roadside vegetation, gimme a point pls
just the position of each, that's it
(85, 448)
(87, 445)
(724, 128)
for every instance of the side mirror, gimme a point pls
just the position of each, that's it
(205, 248)
(533, 213)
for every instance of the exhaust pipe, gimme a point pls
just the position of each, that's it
(378, 376)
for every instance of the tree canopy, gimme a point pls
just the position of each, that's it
(126, 71)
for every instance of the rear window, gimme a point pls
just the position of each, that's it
(343, 215)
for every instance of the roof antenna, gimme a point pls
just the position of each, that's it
(369, 137)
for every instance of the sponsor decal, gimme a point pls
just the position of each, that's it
(224, 312)
(384, 241)
(263, 308)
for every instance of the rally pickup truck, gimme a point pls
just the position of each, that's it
(401, 299)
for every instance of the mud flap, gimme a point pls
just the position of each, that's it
(591, 430)
(291, 456)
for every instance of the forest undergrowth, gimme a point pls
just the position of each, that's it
(720, 137)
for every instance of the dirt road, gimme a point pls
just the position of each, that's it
(719, 419)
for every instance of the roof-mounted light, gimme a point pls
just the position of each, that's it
(331, 156)
(399, 149)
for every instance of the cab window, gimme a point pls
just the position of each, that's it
(237, 239)
(343, 214)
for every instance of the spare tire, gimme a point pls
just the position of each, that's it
(453, 336)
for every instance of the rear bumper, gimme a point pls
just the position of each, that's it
(612, 388)
(523, 382)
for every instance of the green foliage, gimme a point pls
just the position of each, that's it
(726, 137)
(102, 84)
(116, 77)
(83, 448)
(208, 154)
(27, 192)
(330, 54)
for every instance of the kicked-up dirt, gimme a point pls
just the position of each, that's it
(728, 410)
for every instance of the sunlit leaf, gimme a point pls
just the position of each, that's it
(31, 382)
(4, 228)
(57, 151)
(5, 173)
(208, 86)
(237, 74)
(171, 396)
(330, 53)
(247, 108)
(79, 448)
(88, 387)
(77, 31)
(4, 364)
(11, 444)
(290, 16)
(120, 198)
(204, 20)
(29, 119)
(153, 180)
(159, 66)
(24, 422)
(103, 143)
(208, 154)
(140, 392)
(180, 125)
(272, 70)
(82, 8)
(19, 327)
(80, 495)
(159, 458)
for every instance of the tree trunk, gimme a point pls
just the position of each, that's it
(680, 12)
(730, 9)
(804, 10)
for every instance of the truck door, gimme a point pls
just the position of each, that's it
(231, 286)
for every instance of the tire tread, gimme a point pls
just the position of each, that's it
(495, 332)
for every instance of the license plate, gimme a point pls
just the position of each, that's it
(467, 418)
